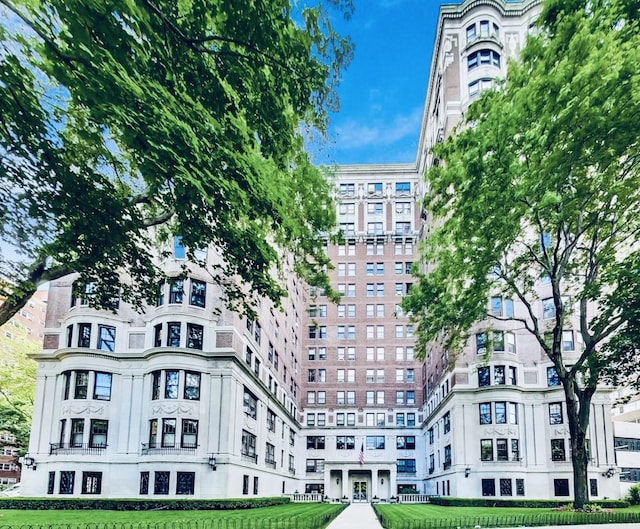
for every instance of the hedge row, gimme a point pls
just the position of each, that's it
(138, 505)
(495, 502)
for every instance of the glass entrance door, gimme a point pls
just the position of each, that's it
(359, 491)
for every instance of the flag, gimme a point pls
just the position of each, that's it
(362, 454)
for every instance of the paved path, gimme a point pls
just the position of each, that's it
(361, 516)
(356, 516)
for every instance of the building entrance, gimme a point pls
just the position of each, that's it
(360, 491)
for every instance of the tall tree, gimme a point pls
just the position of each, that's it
(186, 117)
(541, 184)
(17, 385)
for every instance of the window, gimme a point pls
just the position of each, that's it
(194, 336)
(171, 380)
(144, 482)
(250, 404)
(245, 484)
(403, 228)
(374, 188)
(555, 413)
(484, 376)
(176, 291)
(499, 375)
(51, 483)
(501, 412)
(77, 433)
(161, 482)
(155, 385)
(593, 487)
(192, 386)
(561, 487)
(374, 208)
(403, 187)
(446, 422)
(567, 341)
(411, 419)
(248, 444)
(480, 85)
(270, 455)
(84, 335)
(485, 412)
(405, 442)
(106, 338)
(505, 487)
(548, 309)
(81, 385)
(91, 482)
(153, 433)
(496, 306)
(488, 487)
(189, 437)
(486, 449)
(406, 466)
(314, 465)
(185, 482)
(173, 334)
(67, 478)
(198, 293)
(347, 208)
(375, 442)
(552, 377)
(345, 442)
(483, 58)
(315, 442)
(558, 450)
(168, 433)
(502, 450)
(347, 189)
(271, 421)
(98, 433)
(520, 486)
(481, 343)
(102, 388)
(403, 207)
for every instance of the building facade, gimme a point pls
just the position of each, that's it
(317, 397)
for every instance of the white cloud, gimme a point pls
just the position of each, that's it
(352, 134)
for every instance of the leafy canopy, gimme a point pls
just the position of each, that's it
(17, 384)
(125, 123)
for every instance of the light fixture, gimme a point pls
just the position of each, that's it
(212, 463)
(381, 481)
(467, 471)
(29, 462)
(609, 472)
(338, 481)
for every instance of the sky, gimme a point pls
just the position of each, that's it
(383, 89)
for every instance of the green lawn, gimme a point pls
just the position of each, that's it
(279, 516)
(416, 516)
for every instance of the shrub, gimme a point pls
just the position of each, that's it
(633, 497)
(138, 505)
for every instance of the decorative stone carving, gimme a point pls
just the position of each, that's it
(83, 410)
(176, 409)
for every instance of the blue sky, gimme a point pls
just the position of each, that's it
(382, 91)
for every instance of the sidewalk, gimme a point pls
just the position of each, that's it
(362, 516)
(356, 516)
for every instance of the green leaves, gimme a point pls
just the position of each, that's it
(186, 115)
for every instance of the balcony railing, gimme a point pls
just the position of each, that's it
(76, 448)
(175, 449)
(446, 465)
(270, 463)
(249, 457)
(292, 471)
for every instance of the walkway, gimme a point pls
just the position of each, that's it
(356, 516)
(361, 516)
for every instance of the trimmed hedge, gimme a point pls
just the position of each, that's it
(495, 502)
(138, 505)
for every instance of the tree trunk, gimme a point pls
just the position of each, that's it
(578, 404)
